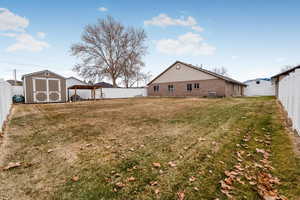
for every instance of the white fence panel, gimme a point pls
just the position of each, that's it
(289, 96)
(111, 93)
(17, 90)
(5, 100)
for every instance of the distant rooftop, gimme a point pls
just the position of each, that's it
(104, 85)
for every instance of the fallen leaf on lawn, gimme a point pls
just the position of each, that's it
(252, 183)
(131, 149)
(156, 191)
(240, 181)
(260, 150)
(221, 162)
(120, 185)
(12, 165)
(229, 180)
(185, 148)
(131, 179)
(192, 178)
(50, 150)
(195, 188)
(224, 186)
(153, 183)
(226, 192)
(157, 165)
(180, 195)
(171, 164)
(210, 171)
(75, 178)
(200, 139)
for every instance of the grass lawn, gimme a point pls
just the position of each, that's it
(152, 148)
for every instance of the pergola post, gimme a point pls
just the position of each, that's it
(75, 94)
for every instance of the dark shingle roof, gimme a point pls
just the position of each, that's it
(104, 85)
(286, 72)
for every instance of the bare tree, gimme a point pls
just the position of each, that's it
(104, 50)
(221, 70)
(132, 62)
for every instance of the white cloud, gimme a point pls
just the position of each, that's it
(12, 22)
(41, 35)
(102, 9)
(197, 28)
(163, 20)
(8, 34)
(234, 57)
(280, 59)
(187, 44)
(26, 42)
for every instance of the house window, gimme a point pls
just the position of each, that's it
(156, 88)
(171, 88)
(189, 87)
(196, 85)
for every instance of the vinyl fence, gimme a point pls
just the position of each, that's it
(5, 100)
(111, 93)
(17, 90)
(289, 95)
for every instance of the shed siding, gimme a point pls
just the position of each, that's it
(41, 85)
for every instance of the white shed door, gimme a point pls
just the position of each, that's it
(46, 90)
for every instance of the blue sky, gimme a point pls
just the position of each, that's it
(250, 38)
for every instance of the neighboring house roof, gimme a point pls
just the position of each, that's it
(72, 77)
(286, 72)
(44, 71)
(202, 70)
(13, 83)
(258, 79)
(104, 85)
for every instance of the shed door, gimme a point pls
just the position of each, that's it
(46, 90)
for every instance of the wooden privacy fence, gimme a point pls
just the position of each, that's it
(5, 101)
(289, 96)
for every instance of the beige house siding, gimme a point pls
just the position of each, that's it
(180, 72)
(41, 85)
(180, 88)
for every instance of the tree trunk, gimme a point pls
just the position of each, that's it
(114, 82)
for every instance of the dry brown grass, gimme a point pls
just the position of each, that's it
(95, 140)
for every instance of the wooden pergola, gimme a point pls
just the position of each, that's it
(93, 89)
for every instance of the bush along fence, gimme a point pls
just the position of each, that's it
(5, 101)
(289, 96)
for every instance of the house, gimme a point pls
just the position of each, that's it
(44, 87)
(278, 77)
(182, 79)
(15, 82)
(259, 87)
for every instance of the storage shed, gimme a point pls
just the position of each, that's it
(259, 87)
(44, 87)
